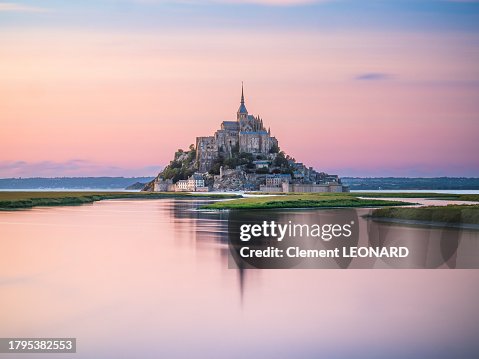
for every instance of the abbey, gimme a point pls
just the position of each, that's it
(245, 135)
(241, 156)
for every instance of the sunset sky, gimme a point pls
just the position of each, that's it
(357, 88)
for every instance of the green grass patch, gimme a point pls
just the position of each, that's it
(445, 196)
(267, 193)
(18, 200)
(446, 214)
(297, 200)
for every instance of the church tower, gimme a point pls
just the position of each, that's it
(242, 113)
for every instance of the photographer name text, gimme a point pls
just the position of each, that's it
(343, 252)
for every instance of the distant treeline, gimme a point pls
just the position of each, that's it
(71, 182)
(405, 183)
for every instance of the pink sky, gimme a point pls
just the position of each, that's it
(348, 102)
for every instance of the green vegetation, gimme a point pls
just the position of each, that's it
(274, 149)
(16, 200)
(445, 214)
(448, 214)
(239, 159)
(441, 196)
(268, 193)
(282, 161)
(215, 167)
(236, 159)
(182, 167)
(302, 200)
(444, 196)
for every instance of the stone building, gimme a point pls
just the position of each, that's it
(160, 185)
(274, 182)
(277, 179)
(246, 134)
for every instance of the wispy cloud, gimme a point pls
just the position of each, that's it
(373, 76)
(73, 167)
(15, 7)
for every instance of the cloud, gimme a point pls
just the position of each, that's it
(73, 168)
(373, 76)
(14, 7)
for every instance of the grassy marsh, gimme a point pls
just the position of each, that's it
(445, 214)
(302, 200)
(29, 199)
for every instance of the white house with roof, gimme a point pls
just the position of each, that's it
(194, 183)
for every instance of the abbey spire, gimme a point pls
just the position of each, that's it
(242, 94)
(242, 113)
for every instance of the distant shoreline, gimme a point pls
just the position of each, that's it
(71, 183)
(409, 184)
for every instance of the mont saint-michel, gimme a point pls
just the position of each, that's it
(241, 155)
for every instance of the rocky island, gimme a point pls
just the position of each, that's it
(241, 156)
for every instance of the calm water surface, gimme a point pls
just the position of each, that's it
(150, 279)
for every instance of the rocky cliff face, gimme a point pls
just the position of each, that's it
(150, 186)
(237, 180)
(230, 182)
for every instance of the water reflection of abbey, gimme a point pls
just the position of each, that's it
(429, 247)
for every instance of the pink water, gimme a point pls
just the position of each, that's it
(150, 279)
